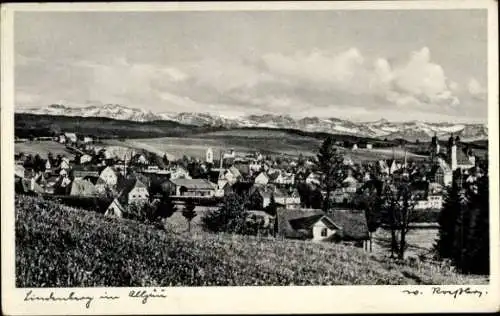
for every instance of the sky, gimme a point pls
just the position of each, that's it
(361, 65)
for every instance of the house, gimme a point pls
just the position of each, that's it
(355, 147)
(48, 166)
(222, 187)
(261, 179)
(62, 139)
(348, 161)
(393, 166)
(313, 224)
(255, 167)
(28, 186)
(64, 163)
(441, 173)
(193, 187)
(51, 183)
(313, 178)
(70, 137)
(133, 191)
(115, 209)
(281, 197)
(433, 201)
(81, 187)
(383, 167)
(109, 176)
(19, 171)
(231, 176)
(85, 158)
(236, 174)
(229, 155)
(179, 173)
(140, 159)
(87, 139)
(283, 178)
(80, 172)
(369, 146)
(350, 184)
(63, 172)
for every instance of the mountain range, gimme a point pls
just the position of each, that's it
(411, 130)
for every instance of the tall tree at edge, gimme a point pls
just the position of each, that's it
(331, 164)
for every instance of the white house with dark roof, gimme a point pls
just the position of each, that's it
(261, 179)
(134, 191)
(115, 209)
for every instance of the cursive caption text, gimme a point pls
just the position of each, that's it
(142, 295)
(447, 292)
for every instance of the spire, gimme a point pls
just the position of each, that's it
(405, 158)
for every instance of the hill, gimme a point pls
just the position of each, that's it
(58, 246)
(410, 130)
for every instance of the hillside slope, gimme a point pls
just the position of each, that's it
(57, 246)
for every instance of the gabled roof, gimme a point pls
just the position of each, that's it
(352, 223)
(194, 184)
(273, 176)
(116, 204)
(234, 171)
(128, 184)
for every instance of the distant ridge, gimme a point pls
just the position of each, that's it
(382, 128)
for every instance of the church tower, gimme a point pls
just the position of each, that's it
(434, 150)
(209, 156)
(452, 153)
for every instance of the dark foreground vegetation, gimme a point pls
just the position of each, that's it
(59, 246)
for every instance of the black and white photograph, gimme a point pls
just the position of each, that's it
(305, 148)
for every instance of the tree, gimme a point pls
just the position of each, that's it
(331, 164)
(447, 221)
(477, 257)
(228, 218)
(272, 207)
(189, 213)
(54, 130)
(166, 207)
(397, 207)
(39, 163)
(369, 199)
(464, 236)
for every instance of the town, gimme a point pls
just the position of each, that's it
(289, 197)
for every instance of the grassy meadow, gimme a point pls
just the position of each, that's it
(265, 141)
(42, 148)
(58, 246)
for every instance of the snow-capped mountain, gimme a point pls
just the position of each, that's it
(379, 129)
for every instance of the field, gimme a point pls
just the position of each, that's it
(58, 246)
(42, 148)
(420, 241)
(272, 142)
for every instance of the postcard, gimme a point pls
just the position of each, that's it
(253, 157)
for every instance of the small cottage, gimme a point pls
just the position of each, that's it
(115, 209)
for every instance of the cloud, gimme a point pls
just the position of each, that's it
(319, 69)
(419, 81)
(476, 90)
(317, 81)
